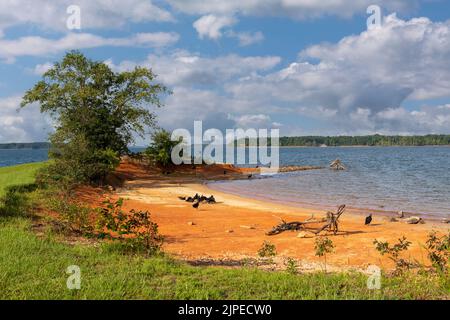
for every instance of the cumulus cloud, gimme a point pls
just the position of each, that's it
(39, 46)
(363, 79)
(21, 125)
(298, 9)
(52, 15)
(211, 26)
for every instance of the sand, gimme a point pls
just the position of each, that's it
(234, 228)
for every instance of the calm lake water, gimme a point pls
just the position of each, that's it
(412, 179)
(10, 157)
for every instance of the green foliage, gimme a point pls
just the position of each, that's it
(96, 110)
(373, 140)
(439, 251)
(267, 250)
(135, 229)
(74, 218)
(323, 246)
(291, 266)
(394, 252)
(108, 274)
(161, 147)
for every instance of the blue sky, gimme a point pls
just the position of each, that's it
(305, 67)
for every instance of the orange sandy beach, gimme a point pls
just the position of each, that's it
(233, 230)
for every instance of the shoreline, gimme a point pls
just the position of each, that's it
(357, 210)
(235, 228)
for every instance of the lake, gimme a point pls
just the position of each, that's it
(412, 179)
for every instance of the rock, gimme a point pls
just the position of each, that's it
(302, 234)
(229, 231)
(248, 227)
(414, 220)
(393, 220)
(446, 221)
(401, 214)
(191, 223)
(111, 188)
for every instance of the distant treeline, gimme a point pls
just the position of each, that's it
(373, 140)
(31, 145)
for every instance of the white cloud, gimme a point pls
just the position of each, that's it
(39, 46)
(182, 68)
(247, 38)
(211, 26)
(298, 9)
(363, 80)
(51, 15)
(40, 69)
(21, 125)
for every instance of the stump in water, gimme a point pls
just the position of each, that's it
(337, 165)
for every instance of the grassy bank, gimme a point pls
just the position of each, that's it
(34, 267)
(18, 175)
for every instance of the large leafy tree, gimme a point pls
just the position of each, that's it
(94, 106)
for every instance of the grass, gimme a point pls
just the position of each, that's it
(34, 267)
(18, 175)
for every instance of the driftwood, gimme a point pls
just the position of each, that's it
(331, 223)
(337, 165)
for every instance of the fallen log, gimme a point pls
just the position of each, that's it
(331, 223)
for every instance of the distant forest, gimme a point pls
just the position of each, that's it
(373, 140)
(31, 145)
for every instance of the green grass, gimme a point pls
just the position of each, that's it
(34, 267)
(18, 175)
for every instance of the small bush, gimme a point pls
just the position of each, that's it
(134, 229)
(267, 250)
(160, 151)
(438, 249)
(74, 217)
(291, 266)
(323, 246)
(394, 252)
(15, 202)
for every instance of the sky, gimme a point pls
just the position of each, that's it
(305, 67)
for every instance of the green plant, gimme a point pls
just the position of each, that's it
(74, 218)
(291, 266)
(323, 246)
(394, 252)
(267, 250)
(96, 111)
(160, 150)
(438, 249)
(15, 202)
(135, 229)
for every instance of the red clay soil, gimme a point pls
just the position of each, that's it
(235, 227)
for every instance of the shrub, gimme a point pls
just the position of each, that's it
(323, 246)
(291, 266)
(74, 217)
(160, 150)
(135, 229)
(267, 250)
(394, 252)
(15, 201)
(438, 249)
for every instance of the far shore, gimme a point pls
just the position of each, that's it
(235, 228)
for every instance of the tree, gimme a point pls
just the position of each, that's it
(160, 149)
(96, 108)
